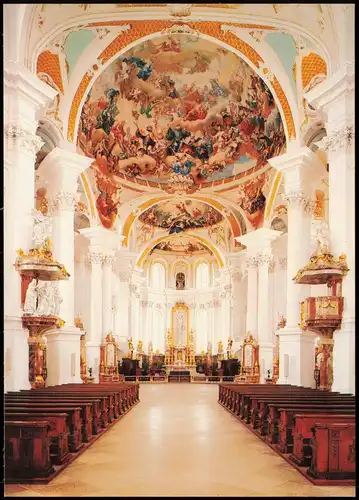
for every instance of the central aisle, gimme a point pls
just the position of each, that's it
(179, 441)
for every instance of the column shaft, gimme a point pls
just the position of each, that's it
(107, 296)
(252, 305)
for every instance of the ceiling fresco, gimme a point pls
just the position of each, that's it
(178, 216)
(179, 110)
(181, 244)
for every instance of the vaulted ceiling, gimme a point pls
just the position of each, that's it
(181, 105)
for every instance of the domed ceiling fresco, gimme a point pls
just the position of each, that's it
(178, 216)
(177, 110)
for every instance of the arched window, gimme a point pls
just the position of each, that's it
(180, 281)
(202, 276)
(158, 280)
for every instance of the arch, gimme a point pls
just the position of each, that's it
(211, 30)
(272, 195)
(234, 224)
(145, 252)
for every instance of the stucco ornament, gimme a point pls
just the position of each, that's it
(42, 299)
(180, 9)
(42, 228)
(31, 298)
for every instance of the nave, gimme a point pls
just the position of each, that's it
(179, 442)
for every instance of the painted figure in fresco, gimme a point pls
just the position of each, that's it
(145, 68)
(173, 100)
(176, 135)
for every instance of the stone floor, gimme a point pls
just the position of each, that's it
(178, 441)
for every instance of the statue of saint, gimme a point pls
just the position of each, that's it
(42, 228)
(31, 298)
(44, 294)
(220, 347)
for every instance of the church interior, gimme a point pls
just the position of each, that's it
(179, 250)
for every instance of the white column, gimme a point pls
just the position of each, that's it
(122, 307)
(61, 169)
(259, 250)
(102, 245)
(296, 363)
(108, 261)
(24, 98)
(252, 297)
(334, 98)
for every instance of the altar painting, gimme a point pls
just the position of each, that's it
(180, 324)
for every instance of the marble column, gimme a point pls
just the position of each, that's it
(25, 96)
(122, 307)
(252, 296)
(107, 264)
(297, 347)
(334, 99)
(259, 258)
(101, 250)
(60, 170)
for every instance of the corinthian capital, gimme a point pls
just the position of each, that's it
(124, 276)
(24, 139)
(264, 258)
(62, 201)
(338, 139)
(251, 262)
(95, 257)
(108, 260)
(282, 262)
(299, 199)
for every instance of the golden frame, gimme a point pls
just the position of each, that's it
(181, 307)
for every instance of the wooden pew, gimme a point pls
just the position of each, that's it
(86, 409)
(303, 434)
(260, 412)
(73, 419)
(270, 415)
(58, 432)
(99, 403)
(27, 450)
(107, 400)
(333, 455)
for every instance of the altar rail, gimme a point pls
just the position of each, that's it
(150, 379)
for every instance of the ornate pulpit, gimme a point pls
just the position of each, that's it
(108, 364)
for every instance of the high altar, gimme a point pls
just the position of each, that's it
(180, 340)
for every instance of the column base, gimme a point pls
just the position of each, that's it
(265, 360)
(296, 357)
(344, 358)
(16, 355)
(63, 356)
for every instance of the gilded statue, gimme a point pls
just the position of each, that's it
(220, 347)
